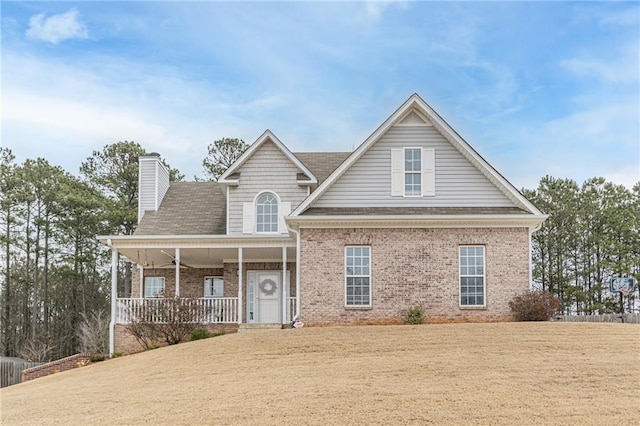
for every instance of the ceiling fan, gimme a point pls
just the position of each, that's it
(173, 260)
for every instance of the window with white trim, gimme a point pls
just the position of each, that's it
(267, 213)
(472, 276)
(153, 286)
(213, 287)
(413, 172)
(357, 276)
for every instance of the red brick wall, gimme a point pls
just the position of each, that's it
(64, 364)
(410, 267)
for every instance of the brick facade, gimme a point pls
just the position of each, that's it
(410, 267)
(192, 279)
(64, 364)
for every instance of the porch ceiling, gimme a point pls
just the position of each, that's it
(203, 257)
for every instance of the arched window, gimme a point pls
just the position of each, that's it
(267, 213)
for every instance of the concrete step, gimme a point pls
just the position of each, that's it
(259, 327)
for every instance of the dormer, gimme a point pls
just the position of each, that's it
(263, 185)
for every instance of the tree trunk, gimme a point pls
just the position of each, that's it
(8, 340)
(45, 280)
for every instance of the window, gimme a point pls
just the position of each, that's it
(267, 213)
(472, 283)
(213, 287)
(413, 172)
(153, 286)
(358, 275)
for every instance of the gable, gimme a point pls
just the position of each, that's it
(230, 175)
(367, 185)
(268, 169)
(368, 182)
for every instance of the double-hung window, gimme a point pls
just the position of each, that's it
(413, 172)
(358, 276)
(267, 213)
(213, 287)
(153, 286)
(472, 276)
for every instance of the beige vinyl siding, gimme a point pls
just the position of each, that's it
(153, 185)
(458, 183)
(268, 169)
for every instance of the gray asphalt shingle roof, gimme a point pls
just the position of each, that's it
(188, 208)
(322, 164)
(200, 208)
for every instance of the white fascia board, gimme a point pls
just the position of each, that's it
(472, 155)
(355, 155)
(418, 221)
(267, 135)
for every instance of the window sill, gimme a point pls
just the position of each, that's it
(358, 308)
(473, 308)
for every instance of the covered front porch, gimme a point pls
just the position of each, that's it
(215, 310)
(222, 280)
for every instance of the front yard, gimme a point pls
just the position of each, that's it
(501, 373)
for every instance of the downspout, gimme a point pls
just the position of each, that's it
(531, 231)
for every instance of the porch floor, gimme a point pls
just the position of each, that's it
(260, 327)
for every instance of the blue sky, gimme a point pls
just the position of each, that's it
(537, 88)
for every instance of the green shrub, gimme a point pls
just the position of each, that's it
(415, 315)
(116, 354)
(535, 306)
(199, 333)
(96, 358)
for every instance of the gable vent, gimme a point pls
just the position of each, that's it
(413, 119)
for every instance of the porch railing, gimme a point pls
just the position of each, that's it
(209, 310)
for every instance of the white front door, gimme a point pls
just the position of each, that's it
(265, 289)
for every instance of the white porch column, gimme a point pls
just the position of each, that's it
(298, 272)
(141, 276)
(240, 284)
(177, 259)
(114, 300)
(285, 301)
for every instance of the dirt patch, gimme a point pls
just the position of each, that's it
(499, 373)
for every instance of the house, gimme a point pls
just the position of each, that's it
(414, 216)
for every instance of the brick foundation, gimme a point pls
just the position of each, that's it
(410, 267)
(64, 364)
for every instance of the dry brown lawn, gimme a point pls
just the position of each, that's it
(506, 373)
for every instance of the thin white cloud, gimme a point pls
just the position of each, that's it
(625, 18)
(57, 28)
(627, 175)
(375, 8)
(619, 65)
